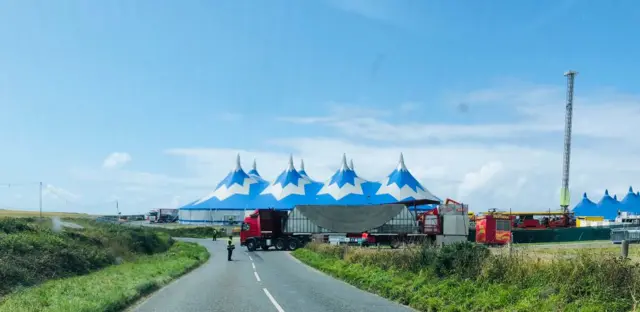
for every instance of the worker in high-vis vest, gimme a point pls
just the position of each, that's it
(230, 248)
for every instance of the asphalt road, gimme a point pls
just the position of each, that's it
(262, 281)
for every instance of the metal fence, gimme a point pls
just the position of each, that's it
(630, 234)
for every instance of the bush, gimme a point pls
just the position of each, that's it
(462, 259)
(469, 277)
(194, 232)
(31, 252)
(111, 289)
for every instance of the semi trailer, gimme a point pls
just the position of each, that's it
(391, 224)
(163, 216)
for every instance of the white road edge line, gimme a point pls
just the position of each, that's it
(256, 274)
(254, 266)
(275, 303)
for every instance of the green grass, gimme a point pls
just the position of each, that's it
(29, 213)
(32, 251)
(468, 278)
(112, 288)
(191, 231)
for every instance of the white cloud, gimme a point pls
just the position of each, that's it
(520, 171)
(116, 160)
(59, 193)
(492, 164)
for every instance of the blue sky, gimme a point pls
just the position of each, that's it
(179, 87)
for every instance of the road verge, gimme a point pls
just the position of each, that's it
(468, 278)
(112, 288)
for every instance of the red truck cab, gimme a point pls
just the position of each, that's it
(250, 227)
(264, 228)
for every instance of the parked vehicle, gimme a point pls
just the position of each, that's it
(392, 224)
(163, 216)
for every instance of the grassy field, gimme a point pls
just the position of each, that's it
(112, 288)
(466, 277)
(548, 252)
(27, 213)
(32, 251)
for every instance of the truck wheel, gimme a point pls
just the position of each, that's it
(280, 244)
(251, 245)
(293, 244)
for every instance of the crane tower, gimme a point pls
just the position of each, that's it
(566, 161)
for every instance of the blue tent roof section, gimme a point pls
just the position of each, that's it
(254, 173)
(608, 206)
(248, 190)
(345, 187)
(236, 190)
(303, 172)
(288, 190)
(631, 202)
(401, 185)
(586, 208)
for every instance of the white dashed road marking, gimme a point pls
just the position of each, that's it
(273, 300)
(257, 277)
(253, 265)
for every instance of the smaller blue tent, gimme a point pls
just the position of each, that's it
(631, 202)
(586, 208)
(608, 206)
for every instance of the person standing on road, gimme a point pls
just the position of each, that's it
(230, 248)
(215, 234)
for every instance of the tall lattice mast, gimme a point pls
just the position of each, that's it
(564, 192)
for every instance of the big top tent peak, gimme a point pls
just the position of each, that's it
(303, 172)
(608, 206)
(254, 172)
(586, 208)
(403, 186)
(237, 185)
(631, 202)
(347, 188)
(289, 189)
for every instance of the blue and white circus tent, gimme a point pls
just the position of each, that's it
(608, 206)
(345, 187)
(631, 202)
(288, 190)
(303, 172)
(401, 186)
(254, 173)
(586, 208)
(240, 192)
(229, 201)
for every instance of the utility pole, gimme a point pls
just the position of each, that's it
(565, 197)
(40, 200)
